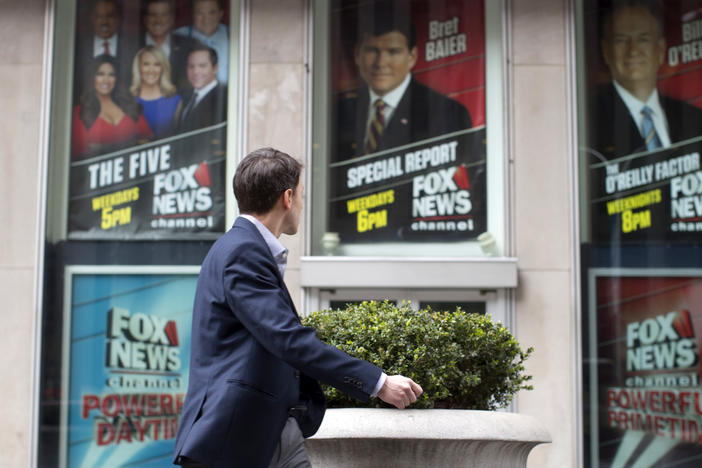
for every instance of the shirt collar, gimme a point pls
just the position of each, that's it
(635, 106)
(278, 250)
(205, 89)
(392, 98)
(165, 47)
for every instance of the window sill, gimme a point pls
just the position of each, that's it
(393, 272)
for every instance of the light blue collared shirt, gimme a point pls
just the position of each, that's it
(657, 115)
(278, 250)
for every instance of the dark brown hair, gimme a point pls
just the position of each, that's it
(89, 103)
(262, 177)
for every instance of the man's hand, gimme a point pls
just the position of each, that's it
(399, 391)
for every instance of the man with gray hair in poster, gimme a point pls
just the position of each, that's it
(629, 115)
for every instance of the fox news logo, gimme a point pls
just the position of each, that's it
(666, 341)
(141, 342)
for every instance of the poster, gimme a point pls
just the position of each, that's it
(408, 160)
(126, 357)
(643, 122)
(148, 123)
(645, 398)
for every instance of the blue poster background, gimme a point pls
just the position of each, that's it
(160, 298)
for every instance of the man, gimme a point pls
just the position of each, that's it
(391, 108)
(105, 18)
(208, 29)
(159, 18)
(629, 115)
(253, 393)
(206, 103)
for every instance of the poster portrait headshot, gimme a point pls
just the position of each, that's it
(101, 33)
(205, 103)
(158, 17)
(208, 28)
(390, 107)
(629, 114)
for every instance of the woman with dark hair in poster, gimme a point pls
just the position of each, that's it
(154, 90)
(107, 118)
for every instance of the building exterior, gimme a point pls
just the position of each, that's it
(573, 242)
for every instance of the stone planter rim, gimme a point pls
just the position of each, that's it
(423, 424)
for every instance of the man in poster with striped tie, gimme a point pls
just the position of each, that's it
(391, 108)
(629, 115)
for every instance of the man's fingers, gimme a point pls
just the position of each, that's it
(416, 389)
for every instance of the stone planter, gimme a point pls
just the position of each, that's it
(389, 438)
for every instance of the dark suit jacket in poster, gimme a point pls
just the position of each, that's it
(252, 360)
(421, 113)
(612, 132)
(211, 110)
(178, 59)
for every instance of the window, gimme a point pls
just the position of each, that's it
(407, 154)
(142, 126)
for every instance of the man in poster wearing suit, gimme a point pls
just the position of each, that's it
(253, 393)
(391, 108)
(106, 38)
(629, 115)
(159, 19)
(206, 103)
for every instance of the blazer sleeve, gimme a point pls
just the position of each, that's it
(255, 294)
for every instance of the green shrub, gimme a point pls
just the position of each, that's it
(461, 360)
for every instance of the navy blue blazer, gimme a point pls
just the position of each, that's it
(252, 360)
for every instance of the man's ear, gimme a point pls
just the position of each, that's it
(287, 198)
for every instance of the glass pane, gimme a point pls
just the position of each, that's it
(399, 154)
(641, 136)
(148, 121)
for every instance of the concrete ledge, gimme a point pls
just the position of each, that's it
(365, 438)
(409, 272)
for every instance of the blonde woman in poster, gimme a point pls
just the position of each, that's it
(107, 117)
(154, 90)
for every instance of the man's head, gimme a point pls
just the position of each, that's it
(633, 46)
(207, 14)
(106, 17)
(268, 179)
(159, 19)
(386, 49)
(202, 66)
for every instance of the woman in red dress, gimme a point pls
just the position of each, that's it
(107, 118)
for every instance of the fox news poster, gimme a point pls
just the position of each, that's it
(645, 405)
(647, 197)
(126, 357)
(170, 189)
(431, 185)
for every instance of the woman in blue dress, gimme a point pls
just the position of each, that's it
(154, 90)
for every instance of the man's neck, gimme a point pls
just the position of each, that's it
(271, 220)
(205, 89)
(641, 91)
(160, 40)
